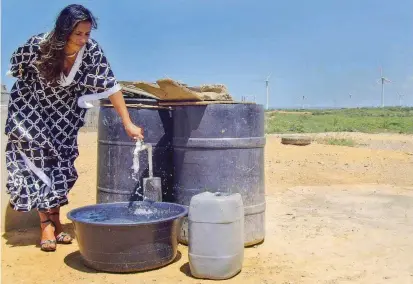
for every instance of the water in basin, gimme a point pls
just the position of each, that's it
(127, 213)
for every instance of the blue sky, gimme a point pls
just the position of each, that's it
(321, 49)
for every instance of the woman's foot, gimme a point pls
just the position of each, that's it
(61, 237)
(48, 239)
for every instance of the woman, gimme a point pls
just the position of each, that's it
(57, 74)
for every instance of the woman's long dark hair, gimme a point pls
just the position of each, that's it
(51, 61)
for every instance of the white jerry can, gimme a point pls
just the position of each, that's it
(216, 235)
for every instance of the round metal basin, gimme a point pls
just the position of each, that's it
(128, 236)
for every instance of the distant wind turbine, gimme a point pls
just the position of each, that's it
(383, 81)
(267, 81)
(400, 99)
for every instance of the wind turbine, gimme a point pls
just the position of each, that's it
(400, 99)
(267, 81)
(383, 81)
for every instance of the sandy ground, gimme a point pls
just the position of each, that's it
(334, 215)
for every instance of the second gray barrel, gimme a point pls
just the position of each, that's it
(220, 148)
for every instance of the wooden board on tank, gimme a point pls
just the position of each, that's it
(177, 92)
(168, 90)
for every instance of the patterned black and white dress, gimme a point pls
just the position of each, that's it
(43, 123)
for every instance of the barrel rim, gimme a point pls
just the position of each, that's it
(130, 100)
(134, 224)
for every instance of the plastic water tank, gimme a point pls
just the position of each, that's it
(216, 235)
(115, 151)
(220, 147)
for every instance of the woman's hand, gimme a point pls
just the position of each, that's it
(134, 131)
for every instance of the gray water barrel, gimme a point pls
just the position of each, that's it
(115, 181)
(220, 147)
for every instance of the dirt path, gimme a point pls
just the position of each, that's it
(334, 215)
(385, 141)
(319, 164)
